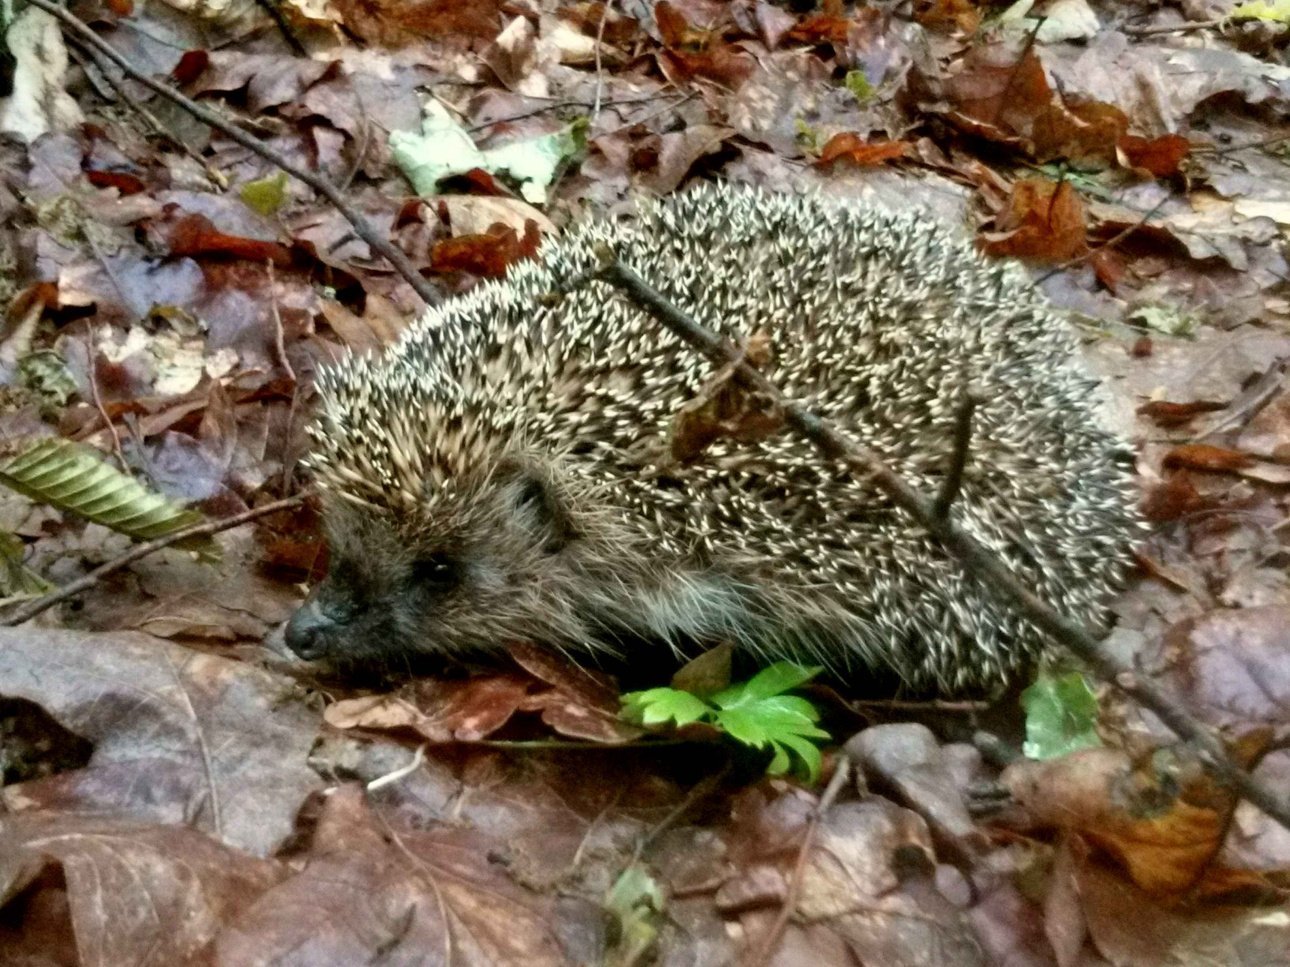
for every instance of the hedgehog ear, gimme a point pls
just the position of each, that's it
(538, 508)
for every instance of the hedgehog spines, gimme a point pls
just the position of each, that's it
(878, 322)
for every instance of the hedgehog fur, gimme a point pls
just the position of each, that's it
(503, 471)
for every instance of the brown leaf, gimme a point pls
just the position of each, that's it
(1044, 221)
(442, 710)
(1230, 665)
(194, 235)
(1129, 926)
(123, 181)
(822, 28)
(488, 255)
(399, 23)
(223, 741)
(371, 891)
(583, 704)
(851, 147)
(1205, 456)
(1160, 157)
(1173, 498)
(697, 53)
(135, 892)
(1167, 414)
(959, 15)
(1005, 96)
(1165, 836)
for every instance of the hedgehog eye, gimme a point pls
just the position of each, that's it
(436, 570)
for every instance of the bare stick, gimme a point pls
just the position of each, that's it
(958, 461)
(600, 76)
(362, 227)
(976, 560)
(1172, 28)
(766, 949)
(45, 602)
(1105, 246)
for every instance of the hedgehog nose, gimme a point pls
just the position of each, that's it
(304, 633)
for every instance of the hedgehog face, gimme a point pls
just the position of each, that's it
(481, 565)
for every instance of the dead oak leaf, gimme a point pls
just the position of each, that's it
(1044, 221)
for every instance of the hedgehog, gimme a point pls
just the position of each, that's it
(507, 471)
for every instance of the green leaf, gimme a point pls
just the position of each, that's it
(1061, 716)
(1171, 320)
(1277, 10)
(16, 579)
(534, 162)
(636, 901)
(755, 713)
(859, 86)
(45, 373)
(75, 479)
(658, 705)
(808, 753)
(265, 195)
(779, 762)
(744, 726)
(783, 676)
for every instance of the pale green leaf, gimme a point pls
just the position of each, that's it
(75, 479)
(659, 705)
(265, 195)
(445, 148)
(1061, 716)
(1276, 10)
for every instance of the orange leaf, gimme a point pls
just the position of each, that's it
(1160, 157)
(1044, 220)
(859, 152)
(1165, 413)
(1203, 456)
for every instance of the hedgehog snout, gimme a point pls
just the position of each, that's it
(307, 630)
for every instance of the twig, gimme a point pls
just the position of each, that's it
(91, 351)
(362, 227)
(1172, 29)
(45, 602)
(766, 949)
(556, 105)
(279, 342)
(699, 791)
(958, 462)
(1214, 151)
(600, 75)
(1114, 240)
(402, 771)
(983, 565)
(149, 119)
(271, 8)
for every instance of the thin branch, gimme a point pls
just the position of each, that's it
(1172, 29)
(557, 105)
(958, 461)
(1217, 152)
(45, 602)
(766, 949)
(91, 350)
(154, 126)
(600, 76)
(362, 227)
(976, 560)
(279, 342)
(1114, 240)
